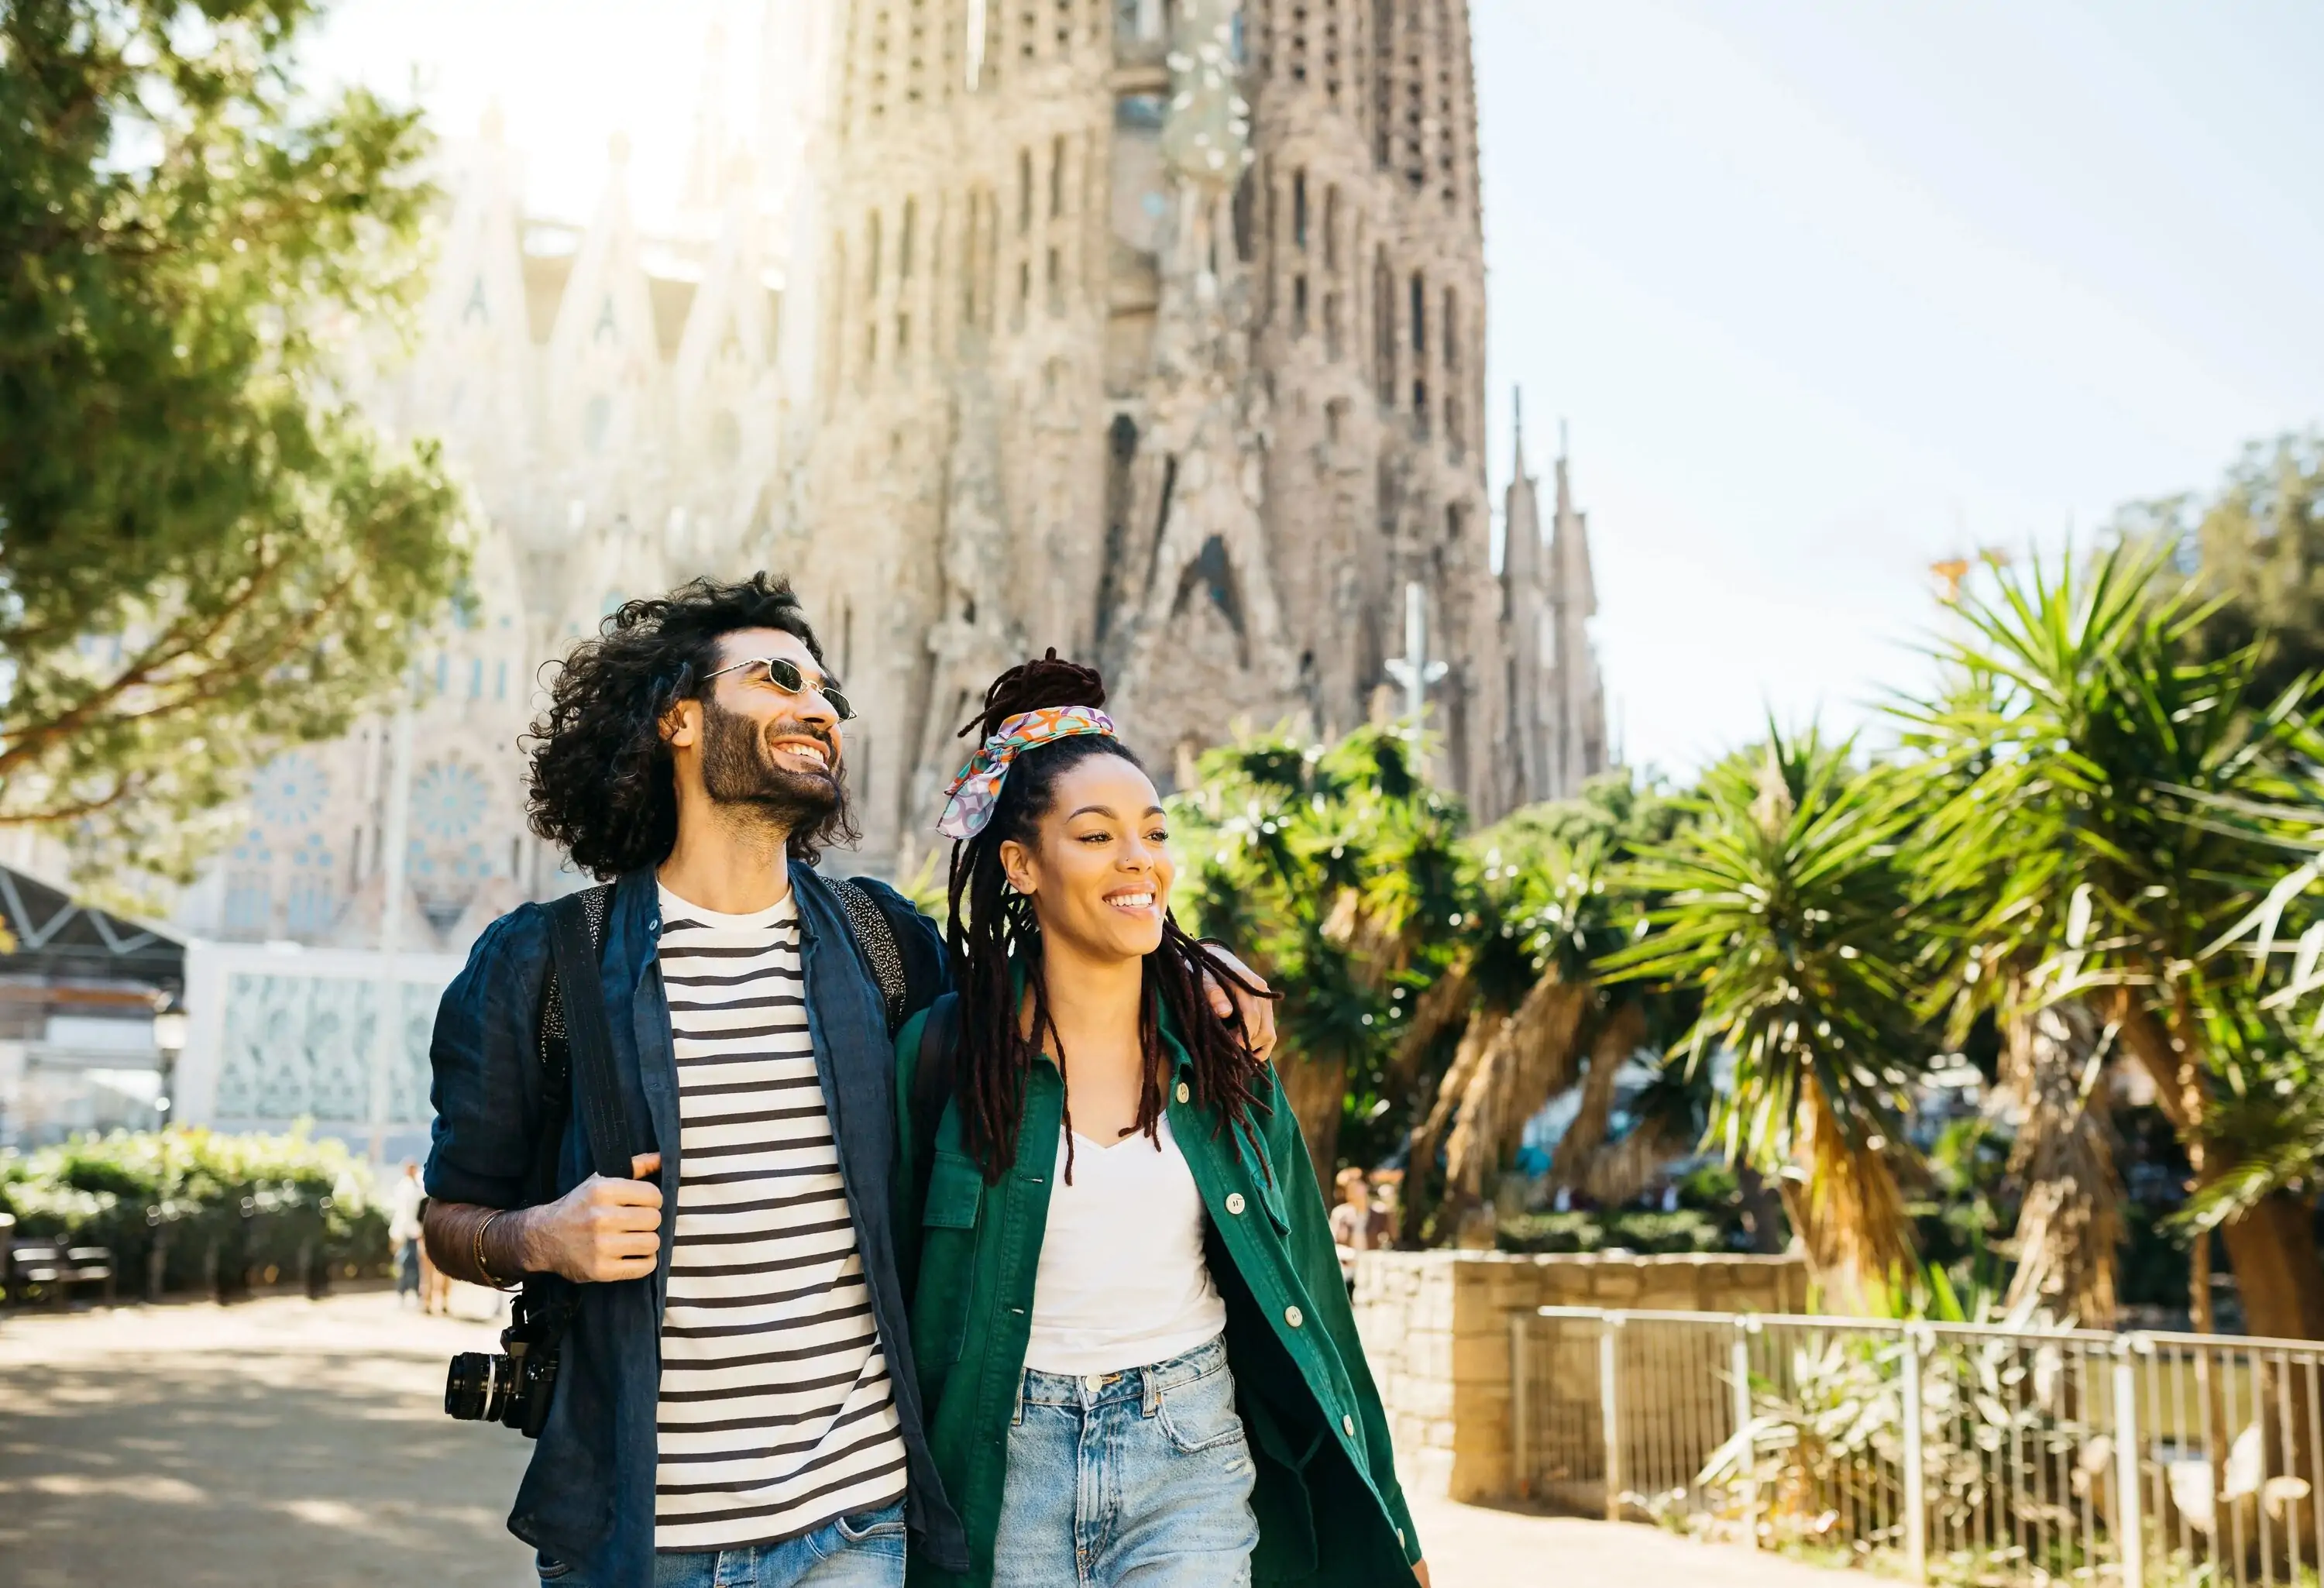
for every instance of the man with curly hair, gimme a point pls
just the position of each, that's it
(735, 1399)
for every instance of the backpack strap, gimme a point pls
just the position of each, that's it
(877, 939)
(589, 1040)
(553, 1045)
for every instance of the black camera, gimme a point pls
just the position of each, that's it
(513, 1386)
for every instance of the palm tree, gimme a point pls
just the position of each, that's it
(2082, 749)
(1538, 921)
(1532, 1021)
(1336, 865)
(1785, 907)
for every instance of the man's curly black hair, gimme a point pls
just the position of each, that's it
(602, 785)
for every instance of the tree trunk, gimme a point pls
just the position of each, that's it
(2277, 1275)
(2272, 1249)
(1762, 1211)
(2070, 1227)
(1610, 1049)
(1316, 1089)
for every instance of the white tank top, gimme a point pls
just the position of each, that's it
(1122, 1283)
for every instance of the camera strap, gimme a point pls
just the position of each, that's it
(595, 1089)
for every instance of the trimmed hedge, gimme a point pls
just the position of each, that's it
(230, 1211)
(1651, 1233)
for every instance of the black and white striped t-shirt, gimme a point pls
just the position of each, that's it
(775, 1412)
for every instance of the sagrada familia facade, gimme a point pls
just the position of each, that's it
(1149, 329)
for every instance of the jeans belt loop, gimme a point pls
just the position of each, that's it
(1150, 1390)
(1024, 1392)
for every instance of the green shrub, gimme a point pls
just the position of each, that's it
(1650, 1232)
(228, 1209)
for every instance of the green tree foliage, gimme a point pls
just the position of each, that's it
(203, 553)
(2257, 557)
(1333, 870)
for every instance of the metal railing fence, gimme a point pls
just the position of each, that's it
(1959, 1453)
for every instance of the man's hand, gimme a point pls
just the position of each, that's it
(1228, 1000)
(1420, 1570)
(601, 1230)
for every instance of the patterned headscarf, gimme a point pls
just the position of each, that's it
(968, 803)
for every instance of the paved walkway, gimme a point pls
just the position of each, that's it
(289, 1443)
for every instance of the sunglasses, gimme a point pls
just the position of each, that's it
(787, 676)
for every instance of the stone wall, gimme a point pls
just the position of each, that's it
(1435, 1326)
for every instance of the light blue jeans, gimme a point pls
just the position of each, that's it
(1134, 1479)
(861, 1551)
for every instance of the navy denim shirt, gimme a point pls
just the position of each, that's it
(588, 1496)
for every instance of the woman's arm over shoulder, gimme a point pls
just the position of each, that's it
(1316, 1259)
(483, 1059)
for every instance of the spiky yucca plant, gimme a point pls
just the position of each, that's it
(1785, 907)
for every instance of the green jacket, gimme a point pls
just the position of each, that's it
(1330, 1510)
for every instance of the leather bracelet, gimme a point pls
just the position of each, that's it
(477, 1251)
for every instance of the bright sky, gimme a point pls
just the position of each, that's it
(1831, 290)
(1827, 291)
(566, 75)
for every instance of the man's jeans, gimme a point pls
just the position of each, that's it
(1142, 1477)
(861, 1551)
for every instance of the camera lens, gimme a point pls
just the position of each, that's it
(477, 1386)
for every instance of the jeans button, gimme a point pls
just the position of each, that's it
(1093, 1382)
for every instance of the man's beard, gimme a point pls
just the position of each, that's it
(738, 769)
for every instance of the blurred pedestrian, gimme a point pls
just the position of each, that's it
(1355, 1223)
(435, 1284)
(405, 1205)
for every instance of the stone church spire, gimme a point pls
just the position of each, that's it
(1578, 751)
(1159, 338)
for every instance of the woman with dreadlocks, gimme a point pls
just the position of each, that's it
(1135, 1354)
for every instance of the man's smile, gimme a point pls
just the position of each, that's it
(804, 751)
